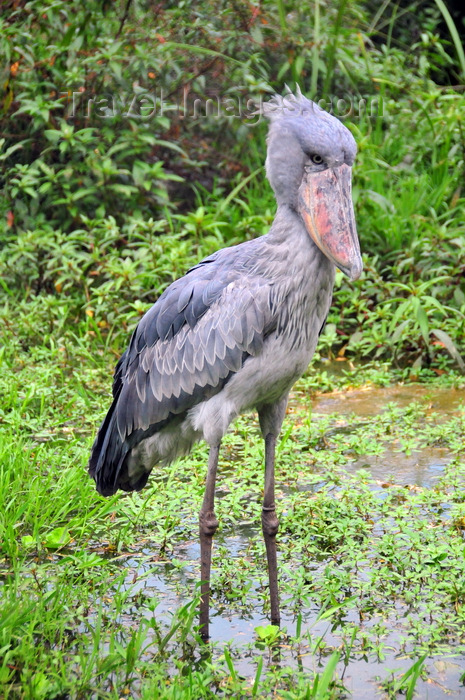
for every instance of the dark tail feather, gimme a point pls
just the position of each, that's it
(108, 459)
(108, 454)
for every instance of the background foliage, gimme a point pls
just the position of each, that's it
(106, 195)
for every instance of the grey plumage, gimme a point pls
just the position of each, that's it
(210, 324)
(240, 327)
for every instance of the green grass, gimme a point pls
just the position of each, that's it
(368, 573)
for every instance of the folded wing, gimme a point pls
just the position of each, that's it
(184, 350)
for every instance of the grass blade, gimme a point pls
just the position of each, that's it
(257, 676)
(453, 32)
(316, 52)
(327, 676)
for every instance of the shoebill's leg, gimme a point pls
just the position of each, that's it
(207, 526)
(271, 418)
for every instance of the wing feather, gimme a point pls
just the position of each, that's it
(200, 331)
(185, 296)
(166, 318)
(211, 343)
(141, 385)
(188, 358)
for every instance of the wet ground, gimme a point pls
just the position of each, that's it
(361, 677)
(420, 469)
(370, 400)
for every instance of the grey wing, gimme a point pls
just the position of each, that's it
(184, 350)
(188, 347)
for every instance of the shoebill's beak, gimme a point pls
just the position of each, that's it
(325, 205)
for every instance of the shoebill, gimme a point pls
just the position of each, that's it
(236, 332)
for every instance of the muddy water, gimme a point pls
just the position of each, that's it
(369, 401)
(361, 677)
(421, 468)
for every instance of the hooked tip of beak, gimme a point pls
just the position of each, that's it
(355, 270)
(327, 212)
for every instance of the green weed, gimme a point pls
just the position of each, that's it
(101, 209)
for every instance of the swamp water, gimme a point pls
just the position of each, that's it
(235, 624)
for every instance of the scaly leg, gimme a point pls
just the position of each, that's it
(270, 526)
(271, 418)
(207, 527)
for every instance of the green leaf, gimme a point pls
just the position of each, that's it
(399, 330)
(57, 538)
(423, 322)
(11, 149)
(459, 296)
(327, 676)
(268, 632)
(454, 33)
(53, 135)
(401, 309)
(5, 673)
(450, 346)
(356, 337)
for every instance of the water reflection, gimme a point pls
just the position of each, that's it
(235, 624)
